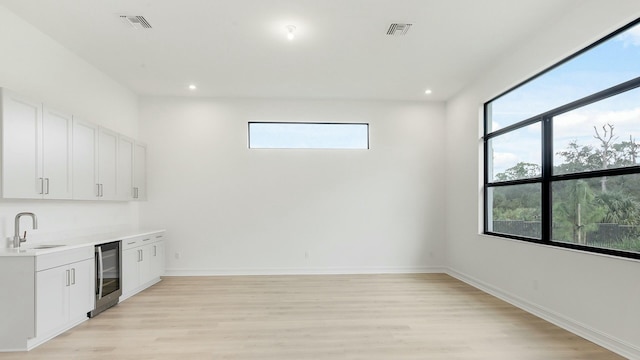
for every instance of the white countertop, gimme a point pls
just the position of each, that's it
(27, 249)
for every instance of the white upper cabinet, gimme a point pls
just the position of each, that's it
(132, 174)
(36, 150)
(107, 164)
(140, 172)
(95, 159)
(48, 154)
(21, 119)
(57, 157)
(125, 169)
(85, 164)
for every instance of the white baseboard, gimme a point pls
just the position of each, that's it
(304, 271)
(607, 341)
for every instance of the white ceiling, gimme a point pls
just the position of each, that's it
(238, 48)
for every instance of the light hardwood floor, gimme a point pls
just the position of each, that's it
(394, 317)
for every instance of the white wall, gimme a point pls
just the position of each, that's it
(230, 209)
(596, 296)
(34, 65)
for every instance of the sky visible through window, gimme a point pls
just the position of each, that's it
(266, 135)
(610, 63)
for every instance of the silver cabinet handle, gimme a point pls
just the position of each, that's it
(41, 185)
(147, 239)
(141, 255)
(68, 278)
(101, 190)
(47, 187)
(158, 236)
(131, 243)
(73, 276)
(100, 272)
(97, 190)
(155, 250)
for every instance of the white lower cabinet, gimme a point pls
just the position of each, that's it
(65, 289)
(64, 295)
(52, 303)
(47, 292)
(157, 259)
(82, 290)
(142, 263)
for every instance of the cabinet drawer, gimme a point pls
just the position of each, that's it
(48, 261)
(148, 239)
(131, 243)
(142, 240)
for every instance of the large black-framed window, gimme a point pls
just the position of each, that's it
(562, 154)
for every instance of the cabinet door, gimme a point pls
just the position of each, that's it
(85, 170)
(157, 259)
(82, 289)
(140, 171)
(107, 164)
(130, 277)
(57, 129)
(146, 264)
(125, 169)
(52, 291)
(21, 149)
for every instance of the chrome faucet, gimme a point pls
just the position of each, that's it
(17, 240)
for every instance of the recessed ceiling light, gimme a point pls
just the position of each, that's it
(192, 87)
(291, 32)
(428, 91)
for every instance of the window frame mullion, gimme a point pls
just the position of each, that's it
(547, 171)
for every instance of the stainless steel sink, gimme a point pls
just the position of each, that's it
(46, 246)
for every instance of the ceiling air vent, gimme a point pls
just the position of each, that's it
(135, 21)
(398, 29)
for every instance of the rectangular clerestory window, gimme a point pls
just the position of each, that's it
(299, 135)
